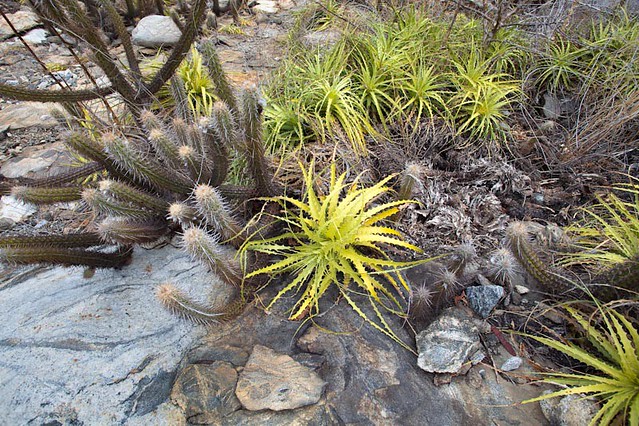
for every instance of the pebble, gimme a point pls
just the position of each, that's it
(484, 298)
(521, 289)
(37, 36)
(511, 364)
(156, 31)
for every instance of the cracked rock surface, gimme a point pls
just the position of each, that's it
(93, 351)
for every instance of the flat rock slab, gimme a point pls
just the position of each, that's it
(28, 114)
(94, 351)
(206, 392)
(15, 210)
(22, 20)
(277, 382)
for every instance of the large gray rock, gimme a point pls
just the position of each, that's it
(447, 343)
(370, 379)
(156, 31)
(20, 167)
(272, 381)
(22, 21)
(94, 351)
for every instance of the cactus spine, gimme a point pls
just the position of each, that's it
(254, 148)
(143, 168)
(206, 248)
(522, 249)
(215, 211)
(81, 239)
(180, 304)
(127, 193)
(128, 232)
(223, 89)
(65, 256)
(104, 204)
(62, 194)
(182, 213)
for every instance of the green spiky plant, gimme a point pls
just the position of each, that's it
(198, 85)
(608, 241)
(560, 67)
(616, 361)
(482, 99)
(337, 239)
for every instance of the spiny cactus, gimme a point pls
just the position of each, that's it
(72, 175)
(163, 174)
(461, 258)
(623, 275)
(182, 213)
(411, 177)
(254, 148)
(205, 247)
(65, 256)
(102, 203)
(503, 267)
(39, 195)
(421, 301)
(216, 213)
(144, 169)
(72, 240)
(165, 147)
(517, 239)
(181, 304)
(447, 283)
(223, 89)
(77, 21)
(127, 231)
(129, 194)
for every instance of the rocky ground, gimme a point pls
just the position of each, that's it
(83, 348)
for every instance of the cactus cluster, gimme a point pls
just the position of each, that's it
(165, 174)
(442, 281)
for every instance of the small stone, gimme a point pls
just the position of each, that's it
(511, 364)
(156, 31)
(276, 382)
(323, 39)
(36, 36)
(571, 410)
(442, 379)
(483, 299)
(521, 289)
(445, 345)
(477, 357)
(267, 7)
